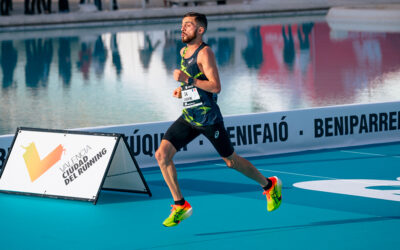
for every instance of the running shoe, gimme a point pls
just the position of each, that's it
(274, 194)
(178, 214)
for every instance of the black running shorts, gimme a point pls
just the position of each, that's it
(181, 133)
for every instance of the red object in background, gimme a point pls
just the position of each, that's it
(330, 68)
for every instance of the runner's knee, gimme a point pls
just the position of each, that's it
(161, 157)
(230, 163)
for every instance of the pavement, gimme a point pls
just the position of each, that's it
(142, 11)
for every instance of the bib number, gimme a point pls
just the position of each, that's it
(190, 96)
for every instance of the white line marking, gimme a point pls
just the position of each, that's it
(361, 153)
(307, 175)
(322, 177)
(364, 153)
(282, 172)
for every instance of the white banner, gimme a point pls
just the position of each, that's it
(270, 133)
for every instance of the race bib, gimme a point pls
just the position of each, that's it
(190, 96)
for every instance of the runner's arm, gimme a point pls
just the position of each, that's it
(207, 65)
(177, 93)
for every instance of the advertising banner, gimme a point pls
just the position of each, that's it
(71, 165)
(277, 132)
(270, 133)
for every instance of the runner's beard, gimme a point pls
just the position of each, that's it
(188, 38)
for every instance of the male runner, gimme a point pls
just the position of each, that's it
(200, 85)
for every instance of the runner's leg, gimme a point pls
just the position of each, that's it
(245, 167)
(178, 135)
(164, 155)
(219, 138)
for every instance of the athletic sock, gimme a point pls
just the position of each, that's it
(181, 202)
(269, 185)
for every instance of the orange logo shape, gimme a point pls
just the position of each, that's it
(36, 167)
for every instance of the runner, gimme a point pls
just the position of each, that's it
(200, 85)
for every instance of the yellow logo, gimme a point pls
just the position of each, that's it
(36, 167)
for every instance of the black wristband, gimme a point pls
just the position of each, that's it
(190, 81)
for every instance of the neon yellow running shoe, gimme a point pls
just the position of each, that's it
(178, 214)
(274, 194)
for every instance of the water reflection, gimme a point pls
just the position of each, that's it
(85, 56)
(64, 61)
(116, 58)
(147, 50)
(8, 63)
(127, 74)
(252, 53)
(288, 47)
(171, 50)
(303, 34)
(39, 55)
(223, 48)
(99, 57)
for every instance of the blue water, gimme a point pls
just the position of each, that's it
(96, 76)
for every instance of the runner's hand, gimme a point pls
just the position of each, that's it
(180, 76)
(177, 92)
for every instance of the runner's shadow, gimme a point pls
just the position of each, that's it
(296, 227)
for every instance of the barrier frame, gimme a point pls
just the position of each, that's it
(120, 138)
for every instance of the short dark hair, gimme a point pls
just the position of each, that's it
(200, 19)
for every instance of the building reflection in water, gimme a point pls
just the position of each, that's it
(262, 67)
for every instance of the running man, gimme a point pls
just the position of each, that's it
(200, 85)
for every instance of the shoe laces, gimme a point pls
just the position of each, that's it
(177, 213)
(266, 192)
(176, 207)
(270, 193)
